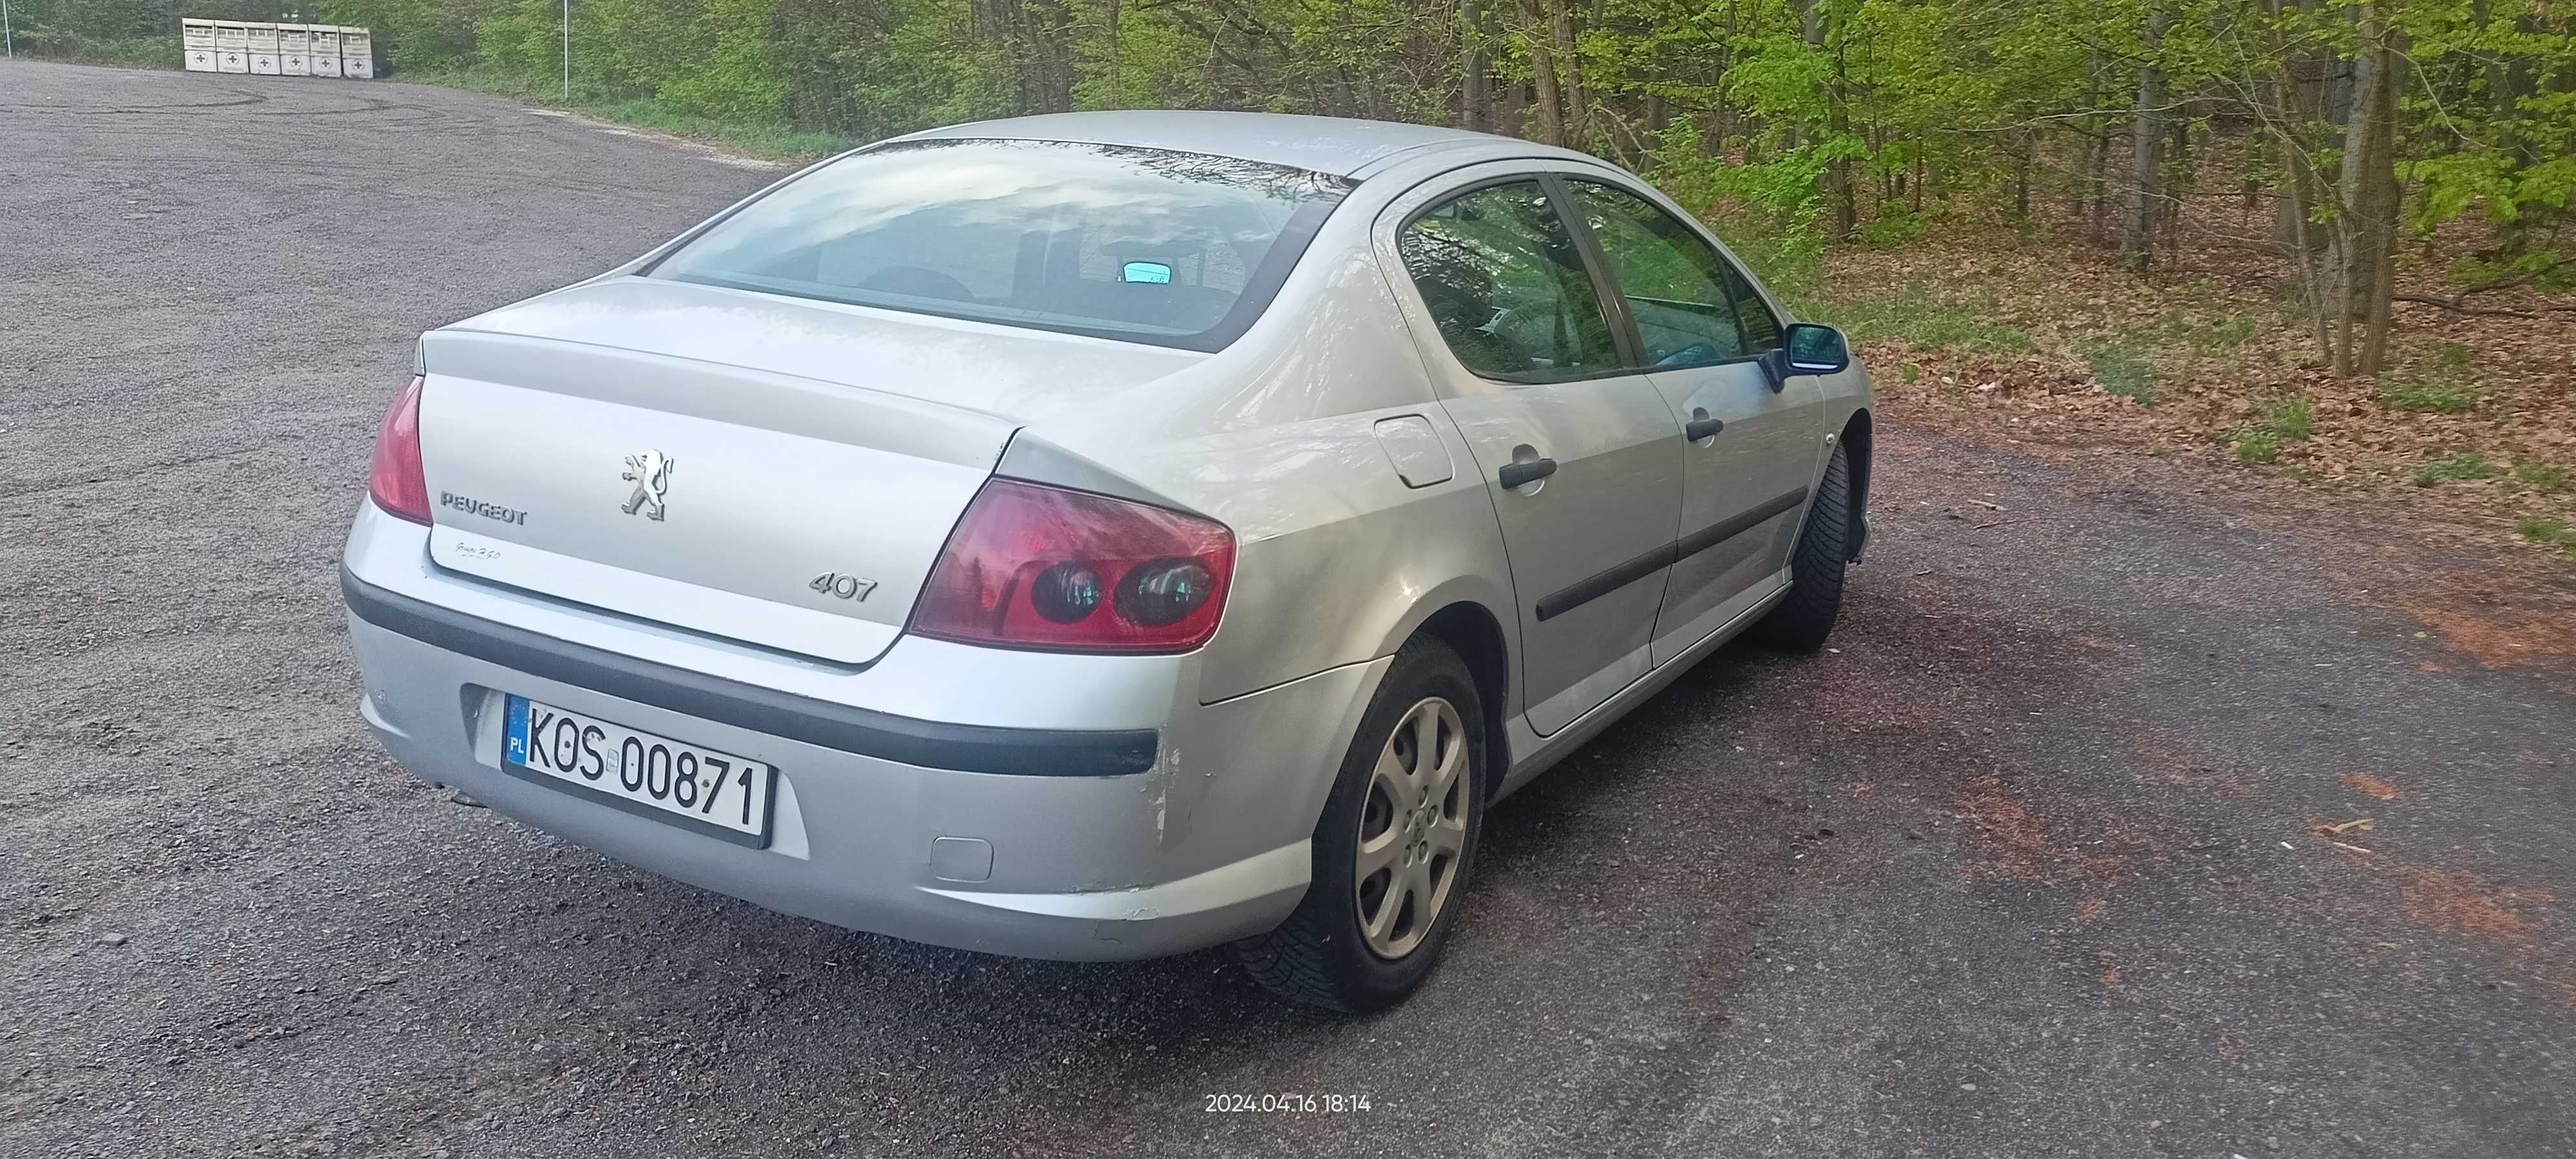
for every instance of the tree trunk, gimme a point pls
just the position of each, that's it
(2097, 150)
(1550, 101)
(2021, 174)
(2303, 106)
(1476, 102)
(2146, 155)
(1838, 176)
(2365, 275)
(1574, 105)
(1050, 47)
(2303, 250)
(2177, 185)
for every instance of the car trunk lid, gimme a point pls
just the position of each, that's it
(765, 508)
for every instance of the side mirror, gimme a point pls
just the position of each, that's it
(1815, 349)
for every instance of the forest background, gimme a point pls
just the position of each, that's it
(2326, 240)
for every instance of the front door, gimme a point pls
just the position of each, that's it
(1753, 433)
(1579, 450)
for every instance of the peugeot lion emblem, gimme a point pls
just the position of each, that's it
(651, 474)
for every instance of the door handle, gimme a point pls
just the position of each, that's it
(1698, 429)
(1523, 474)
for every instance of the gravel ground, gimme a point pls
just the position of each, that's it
(2028, 866)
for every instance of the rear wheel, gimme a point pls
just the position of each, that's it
(1393, 848)
(1804, 617)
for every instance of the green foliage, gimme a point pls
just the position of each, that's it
(1915, 314)
(2291, 419)
(2123, 370)
(1792, 124)
(2237, 330)
(2288, 421)
(2428, 395)
(2552, 532)
(1780, 243)
(2294, 420)
(2464, 465)
(1894, 225)
(2541, 478)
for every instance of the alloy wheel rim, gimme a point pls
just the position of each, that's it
(1413, 829)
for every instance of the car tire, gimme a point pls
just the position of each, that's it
(1333, 950)
(1803, 618)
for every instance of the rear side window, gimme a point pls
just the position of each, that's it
(1146, 245)
(1507, 288)
(1691, 305)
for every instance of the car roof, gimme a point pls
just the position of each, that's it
(1332, 145)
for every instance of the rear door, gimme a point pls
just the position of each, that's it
(1752, 432)
(1580, 453)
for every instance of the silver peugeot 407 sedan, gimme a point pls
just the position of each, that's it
(1102, 535)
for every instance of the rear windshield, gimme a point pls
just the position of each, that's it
(1147, 245)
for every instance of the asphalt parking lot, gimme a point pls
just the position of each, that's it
(2028, 865)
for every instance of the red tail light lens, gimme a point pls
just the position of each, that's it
(1032, 566)
(395, 480)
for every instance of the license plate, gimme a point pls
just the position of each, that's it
(714, 793)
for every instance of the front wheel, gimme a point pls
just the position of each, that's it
(1806, 615)
(1393, 848)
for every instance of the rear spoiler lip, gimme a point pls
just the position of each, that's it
(1031, 457)
(970, 748)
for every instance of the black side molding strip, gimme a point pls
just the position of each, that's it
(1737, 524)
(1595, 586)
(972, 748)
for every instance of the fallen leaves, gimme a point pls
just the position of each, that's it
(2489, 627)
(2370, 786)
(2221, 353)
(2443, 899)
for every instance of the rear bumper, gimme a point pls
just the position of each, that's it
(846, 728)
(1183, 827)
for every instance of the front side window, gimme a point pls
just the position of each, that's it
(1147, 245)
(1691, 305)
(1507, 288)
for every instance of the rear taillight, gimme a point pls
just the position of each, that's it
(1031, 566)
(395, 480)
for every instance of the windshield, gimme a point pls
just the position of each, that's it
(1147, 245)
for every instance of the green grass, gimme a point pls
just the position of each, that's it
(2552, 532)
(2465, 465)
(2293, 419)
(2540, 478)
(2236, 331)
(2124, 371)
(2180, 327)
(761, 138)
(2288, 421)
(1915, 314)
(2430, 396)
(2439, 384)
